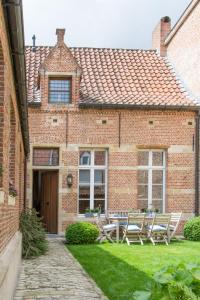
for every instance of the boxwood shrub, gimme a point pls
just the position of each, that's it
(81, 233)
(192, 229)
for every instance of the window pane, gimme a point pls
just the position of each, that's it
(85, 158)
(61, 85)
(157, 204)
(59, 96)
(59, 90)
(83, 205)
(143, 191)
(157, 192)
(100, 158)
(45, 157)
(99, 176)
(84, 176)
(142, 176)
(157, 159)
(157, 177)
(100, 203)
(84, 192)
(99, 192)
(143, 158)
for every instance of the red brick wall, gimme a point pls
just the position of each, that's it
(171, 130)
(11, 157)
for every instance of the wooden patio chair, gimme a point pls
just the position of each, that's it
(105, 230)
(158, 230)
(133, 231)
(174, 223)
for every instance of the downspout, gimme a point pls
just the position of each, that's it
(25, 180)
(67, 118)
(197, 165)
(119, 131)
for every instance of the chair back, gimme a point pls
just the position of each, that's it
(100, 222)
(118, 213)
(136, 219)
(176, 217)
(162, 219)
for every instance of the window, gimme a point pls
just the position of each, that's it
(151, 179)
(92, 179)
(59, 90)
(45, 157)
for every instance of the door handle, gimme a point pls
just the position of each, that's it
(47, 203)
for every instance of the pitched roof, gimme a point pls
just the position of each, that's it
(117, 77)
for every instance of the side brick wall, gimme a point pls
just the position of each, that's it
(11, 145)
(184, 50)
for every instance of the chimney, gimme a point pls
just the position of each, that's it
(60, 32)
(159, 35)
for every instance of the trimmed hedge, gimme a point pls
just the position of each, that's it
(192, 229)
(81, 233)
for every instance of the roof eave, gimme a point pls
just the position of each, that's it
(135, 106)
(13, 15)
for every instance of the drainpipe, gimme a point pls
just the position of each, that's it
(197, 165)
(25, 180)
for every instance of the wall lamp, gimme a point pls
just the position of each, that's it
(69, 180)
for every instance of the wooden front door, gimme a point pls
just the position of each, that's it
(49, 200)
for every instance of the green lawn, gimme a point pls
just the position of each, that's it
(119, 270)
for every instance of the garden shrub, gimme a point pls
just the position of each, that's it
(34, 241)
(173, 282)
(81, 233)
(192, 229)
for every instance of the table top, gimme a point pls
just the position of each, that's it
(126, 217)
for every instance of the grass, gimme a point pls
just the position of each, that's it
(119, 270)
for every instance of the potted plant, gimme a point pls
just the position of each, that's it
(92, 212)
(88, 213)
(95, 211)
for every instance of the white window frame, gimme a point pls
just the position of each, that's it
(150, 168)
(92, 167)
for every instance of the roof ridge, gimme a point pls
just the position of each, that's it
(96, 48)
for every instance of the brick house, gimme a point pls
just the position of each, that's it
(14, 144)
(108, 127)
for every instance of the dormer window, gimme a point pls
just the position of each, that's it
(59, 90)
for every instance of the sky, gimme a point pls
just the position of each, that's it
(98, 23)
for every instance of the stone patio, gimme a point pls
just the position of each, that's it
(56, 275)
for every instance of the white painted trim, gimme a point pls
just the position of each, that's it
(92, 168)
(150, 169)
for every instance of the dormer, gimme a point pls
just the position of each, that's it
(59, 75)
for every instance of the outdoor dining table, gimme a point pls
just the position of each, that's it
(120, 219)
